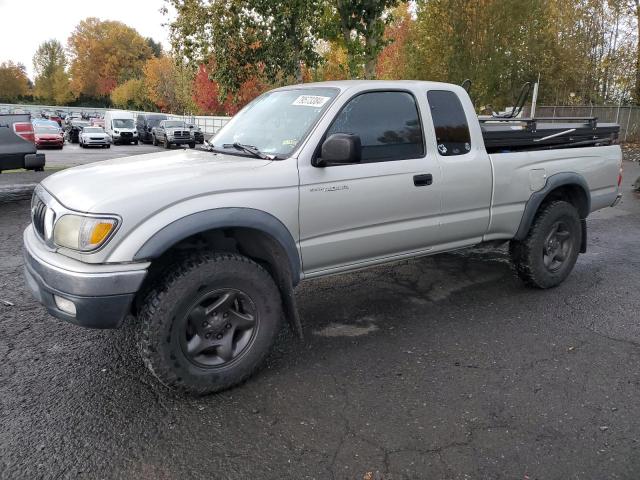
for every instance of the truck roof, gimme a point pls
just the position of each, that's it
(347, 84)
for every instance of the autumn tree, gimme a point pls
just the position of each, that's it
(52, 80)
(14, 82)
(206, 93)
(105, 54)
(169, 85)
(392, 60)
(272, 39)
(359, 25)
(132, 94)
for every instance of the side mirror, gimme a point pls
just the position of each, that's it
(339, 149)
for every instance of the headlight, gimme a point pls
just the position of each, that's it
(116, 131)
(83, 233)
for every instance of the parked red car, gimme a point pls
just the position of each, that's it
(56, 119)
(48, 136)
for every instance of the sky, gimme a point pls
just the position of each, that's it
(25, 24)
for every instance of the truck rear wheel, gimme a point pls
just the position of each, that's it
(547, 255)
(210, 322)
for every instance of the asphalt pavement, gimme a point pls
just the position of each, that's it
(444, 367)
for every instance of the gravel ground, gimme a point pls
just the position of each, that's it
(441, 367)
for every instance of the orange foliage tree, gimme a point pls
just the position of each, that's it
(392, 60)
(206, 93)
(104, 54)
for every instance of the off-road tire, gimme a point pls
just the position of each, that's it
(166, 143)
(527, 255)
(167, 304)
(192, 145)
(154, 141)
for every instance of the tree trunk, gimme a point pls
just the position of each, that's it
(371, 42)
(636, 96)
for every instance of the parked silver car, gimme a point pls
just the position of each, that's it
(94, 137)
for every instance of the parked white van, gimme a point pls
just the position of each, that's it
(120, 126)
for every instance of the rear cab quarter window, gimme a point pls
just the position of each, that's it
(449, 122)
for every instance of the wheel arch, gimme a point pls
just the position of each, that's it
(570, 187)
(250, 232)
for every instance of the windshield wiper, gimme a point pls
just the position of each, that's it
(249, 149)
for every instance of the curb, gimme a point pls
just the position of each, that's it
(14, 193)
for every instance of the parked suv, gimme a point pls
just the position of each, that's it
(173, 132)
(197, 133)
(145, 123)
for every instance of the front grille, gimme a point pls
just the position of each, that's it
(96, 138)
(126, 134)
(38, 211)
(179, 134)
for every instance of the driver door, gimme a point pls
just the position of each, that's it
(387, 205)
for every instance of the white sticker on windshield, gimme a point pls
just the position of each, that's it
(310, 100)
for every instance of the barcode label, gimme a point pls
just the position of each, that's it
(310, 100)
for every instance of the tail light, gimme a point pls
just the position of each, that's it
(25, 130)
(620, 175)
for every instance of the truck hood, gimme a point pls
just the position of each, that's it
(157, 179)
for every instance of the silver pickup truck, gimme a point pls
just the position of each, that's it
(203, 249)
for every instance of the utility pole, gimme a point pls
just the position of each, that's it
(534, 99)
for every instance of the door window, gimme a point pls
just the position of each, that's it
(387, 123)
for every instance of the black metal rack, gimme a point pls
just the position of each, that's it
(506, 134)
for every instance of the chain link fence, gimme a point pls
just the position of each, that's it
(628, 117)
(208, 124)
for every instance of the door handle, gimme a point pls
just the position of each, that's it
(422, 180)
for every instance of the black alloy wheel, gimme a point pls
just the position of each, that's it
(219, 327)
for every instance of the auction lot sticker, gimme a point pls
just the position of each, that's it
(310, 100)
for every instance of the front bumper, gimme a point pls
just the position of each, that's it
(181, 141)
(102, 296)
(100, 143)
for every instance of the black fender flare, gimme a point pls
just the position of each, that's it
(536, 199)
(230, 217)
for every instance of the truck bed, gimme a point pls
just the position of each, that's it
(528, 134)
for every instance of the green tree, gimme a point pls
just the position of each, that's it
(52, 81)
(359, 25)
(155, 47)
(132, 94)
(245, 39)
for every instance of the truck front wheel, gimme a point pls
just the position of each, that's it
(210, 322)
(547, 255)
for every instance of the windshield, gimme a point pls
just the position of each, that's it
(122, 123)
(42, 129)
(175, 124)
(92, 130)
(276, 122)
(154, 121)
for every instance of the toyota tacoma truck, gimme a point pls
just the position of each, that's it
(202, 250)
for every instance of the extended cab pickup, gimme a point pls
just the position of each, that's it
(18, 143)
(203, 249)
